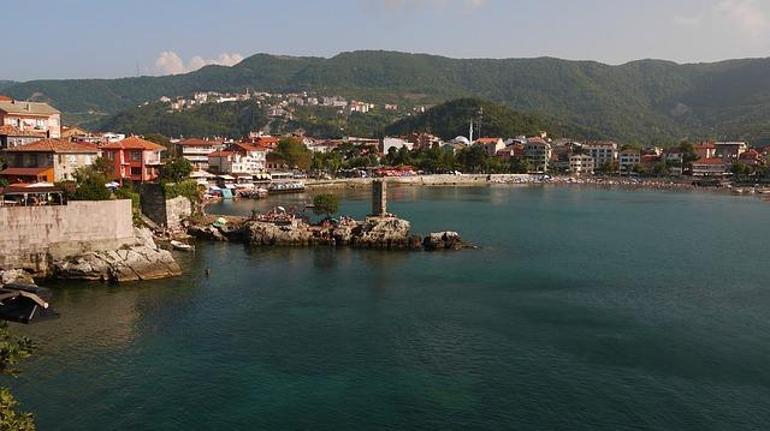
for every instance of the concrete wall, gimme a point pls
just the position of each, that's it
(31, 237)
(164, 212)
(177, 209)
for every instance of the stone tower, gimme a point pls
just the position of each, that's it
(379, 198)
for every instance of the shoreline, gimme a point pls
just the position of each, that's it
(616, 183)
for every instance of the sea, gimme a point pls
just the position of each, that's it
(582, 309)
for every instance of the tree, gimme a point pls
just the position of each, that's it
(519, 165)
(176, 170)
(294, 152)
(160, 140)
(741, 169)
(12, 351)
(104, 166)
(326, 204)
(90, 185)
(473, 159)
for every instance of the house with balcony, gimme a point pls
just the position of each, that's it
(601, 152)
(134, 159)
(537, 152)
(36, 117)
(628, 159)
(705, 150)
(47, 160)
(11, 136)
(196, 151)
(491, 145)
(581, 164)
(238, 159)
(730, 150)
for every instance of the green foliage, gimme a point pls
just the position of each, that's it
(104, 166)
(519, 165)
(186, 188)
(136, 203)
(176, 170)
(160, 139)
(90, 185)
(12, 351)
(648, 100)
(294, 152)
(741, 170)
(3, 182)
(473, 159)
(326, 204)
(155, 121)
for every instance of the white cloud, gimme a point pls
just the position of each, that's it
(745, 17)
(170, 63)
(748, 15)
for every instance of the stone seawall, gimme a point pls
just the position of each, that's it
(32, 238)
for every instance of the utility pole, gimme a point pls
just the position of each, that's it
(481, 120)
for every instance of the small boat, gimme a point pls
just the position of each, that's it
(286, 188)
(178, 245)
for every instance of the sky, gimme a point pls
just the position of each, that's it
(117, 38)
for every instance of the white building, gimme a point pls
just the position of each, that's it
(627, 159)
(491, 145)
(601, 152)
(581, 164)
(397, 143)
(537, 151)
(712, 167)
(238, 158)
(196, 151)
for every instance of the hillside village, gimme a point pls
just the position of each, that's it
(38, 151)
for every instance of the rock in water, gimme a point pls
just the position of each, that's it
(262, 233)
(444, 241)
(143, 260)
(385, 232)
(19, 276)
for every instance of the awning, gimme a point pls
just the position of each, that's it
(226, 177)
(202, 174)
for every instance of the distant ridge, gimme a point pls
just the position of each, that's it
(645, 100)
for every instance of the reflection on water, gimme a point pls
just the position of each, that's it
(583, 309)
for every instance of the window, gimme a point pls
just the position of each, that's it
(136, 156)
(136, 172)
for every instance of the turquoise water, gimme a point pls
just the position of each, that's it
(584, 310)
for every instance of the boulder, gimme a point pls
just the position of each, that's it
(264, 233)
(19, 276)
(143, 260)
(444, 241)
(385, 232)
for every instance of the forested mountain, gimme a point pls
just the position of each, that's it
(451, 119)
(647, 100)
(234, 119)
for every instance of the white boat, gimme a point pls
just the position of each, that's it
(182, 246)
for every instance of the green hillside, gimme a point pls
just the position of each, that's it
(451, 119)
(235, 119)
(647, 100)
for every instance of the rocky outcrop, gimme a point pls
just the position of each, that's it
(444, 241)
(17, 276)
(385, 232)
(263, 233)
(143, 260)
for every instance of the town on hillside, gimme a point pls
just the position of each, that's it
(41, 158)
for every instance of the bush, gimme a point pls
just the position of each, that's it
(187, 188)
(326, 204)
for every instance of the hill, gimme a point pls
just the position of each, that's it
(235, 119)
(649, 100)
(451, 119)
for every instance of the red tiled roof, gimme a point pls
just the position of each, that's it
(488, 140)
(749, 154)
(54, 146)
(8, 130)
(134, 143)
